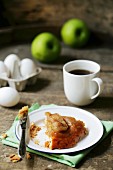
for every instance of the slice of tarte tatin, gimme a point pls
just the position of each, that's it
(63, 131)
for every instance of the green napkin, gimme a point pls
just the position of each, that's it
(70, 160)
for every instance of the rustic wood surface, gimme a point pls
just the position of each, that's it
(49, 89)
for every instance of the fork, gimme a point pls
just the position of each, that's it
(22, 145)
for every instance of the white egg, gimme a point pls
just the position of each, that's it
(9, 96)
(4, 69)
(10, 60)
(27, 67)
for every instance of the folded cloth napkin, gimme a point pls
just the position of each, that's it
(68, 159)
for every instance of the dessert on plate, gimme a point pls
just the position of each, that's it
(63, 131)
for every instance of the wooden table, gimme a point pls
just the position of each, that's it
(49, 89)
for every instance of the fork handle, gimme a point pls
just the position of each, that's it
(22, 145)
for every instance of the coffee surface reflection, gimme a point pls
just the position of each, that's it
(80, 72)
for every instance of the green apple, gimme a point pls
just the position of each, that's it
(75, 33)
(45, 47)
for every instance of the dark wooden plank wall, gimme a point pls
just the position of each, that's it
(29, 17)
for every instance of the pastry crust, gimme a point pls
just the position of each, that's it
(63, 131)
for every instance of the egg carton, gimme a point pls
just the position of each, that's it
(19, 83)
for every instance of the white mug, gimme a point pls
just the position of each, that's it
(82, 88)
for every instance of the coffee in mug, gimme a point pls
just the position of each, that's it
(82, 84)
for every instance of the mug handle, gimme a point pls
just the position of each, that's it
(100, 87)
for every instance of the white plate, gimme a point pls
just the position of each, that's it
(93, 124)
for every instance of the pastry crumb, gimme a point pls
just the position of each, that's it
(33, 130)
(36, 142)
(23, 112)
(4, 135)
(14, 158)
(28, 155)
(47, 144)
